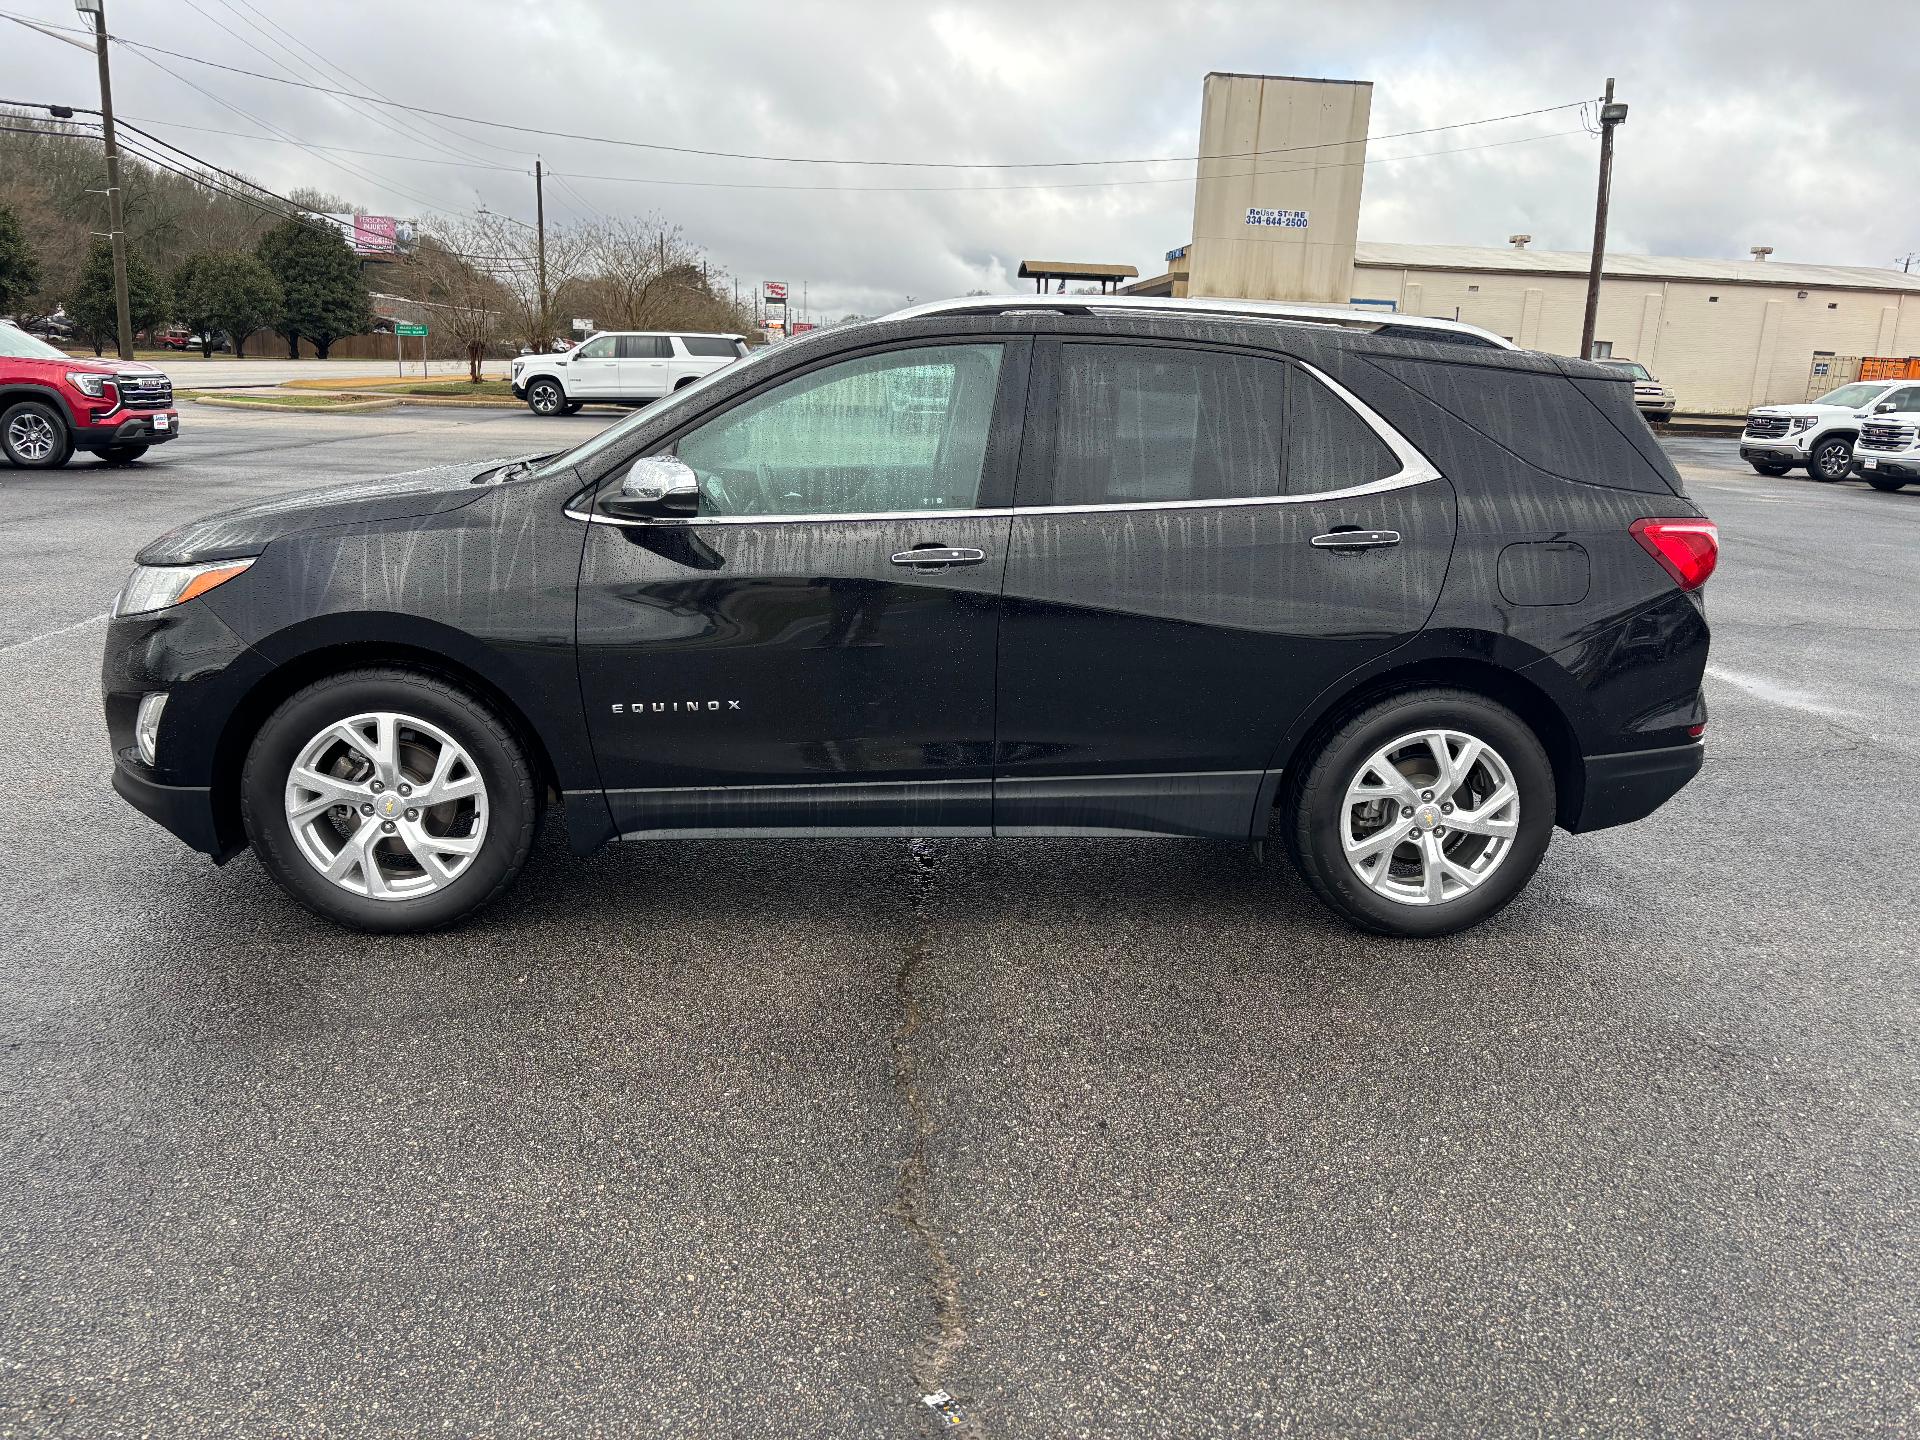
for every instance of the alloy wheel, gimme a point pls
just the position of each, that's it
(1429, 817)
(387, 806)
(546, 399)
(32, 437)
(1832, 460)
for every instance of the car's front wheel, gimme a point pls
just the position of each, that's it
(122, 454)
(1422, 814)
(388, 800)
(1831, 459)
(33, 435)
(545, 397)
(1888, 483)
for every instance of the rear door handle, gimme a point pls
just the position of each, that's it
(937, 555)
(1357, 539)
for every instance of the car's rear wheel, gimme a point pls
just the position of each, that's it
(388, 800)
(1831, 459)
(1422, 814)
(1769, 468)
(122, 454)
(34, 436)
(1885, 482)
(545, 397)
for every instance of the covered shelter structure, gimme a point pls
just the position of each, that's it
(1059, 272)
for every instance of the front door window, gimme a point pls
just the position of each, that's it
(902, 431)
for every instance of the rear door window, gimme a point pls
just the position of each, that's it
(1138, 424)
(644, 347)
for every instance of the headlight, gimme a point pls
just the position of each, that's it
(1802, 422)
(155, 587)
(90, 384)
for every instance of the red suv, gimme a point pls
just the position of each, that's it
(52, 404)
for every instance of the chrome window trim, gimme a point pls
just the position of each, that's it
(1415, 469)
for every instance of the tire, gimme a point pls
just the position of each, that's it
(1831, 458)
(545, 397)
(431, 717)
(1315, 814)
(683, 382)
(573, 407)
(122, 454)
(1887, 483)
(1769, 468)
(34, 436)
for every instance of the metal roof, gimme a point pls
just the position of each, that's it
(1343, 317)
(1505, 258)
(1073, 270)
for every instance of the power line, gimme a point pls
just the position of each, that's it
(332, 149)
(138, 45)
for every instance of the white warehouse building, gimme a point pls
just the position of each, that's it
(1723, 335)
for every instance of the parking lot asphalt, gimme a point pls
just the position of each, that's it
(1122, 1138)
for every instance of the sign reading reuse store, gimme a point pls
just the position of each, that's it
(1287, 219)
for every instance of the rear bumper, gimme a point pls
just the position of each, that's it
(136, 428)
(1631, 786)
(186, 810)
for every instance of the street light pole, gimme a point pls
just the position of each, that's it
(116, 222)
(1611, 115)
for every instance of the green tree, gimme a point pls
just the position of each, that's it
(92, 309)
(19, 270)
(225, 290)
(321, 293)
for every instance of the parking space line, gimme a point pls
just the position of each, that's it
(53, 634)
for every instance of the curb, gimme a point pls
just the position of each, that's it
(354, 407)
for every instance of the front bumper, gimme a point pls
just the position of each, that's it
(1660, 406)
(1777, 450)
(1904, 463)
(136, 427)
(186, 810)
(1631, 786)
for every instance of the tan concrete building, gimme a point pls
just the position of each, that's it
(1723, 335)
(1276, 206)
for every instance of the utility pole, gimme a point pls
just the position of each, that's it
(1611, 116)
(116, 221)
(540, 247)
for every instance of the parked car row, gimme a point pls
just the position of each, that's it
(1867, 428)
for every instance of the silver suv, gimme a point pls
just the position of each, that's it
(620, 367)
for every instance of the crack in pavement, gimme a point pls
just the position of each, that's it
(912, 1201)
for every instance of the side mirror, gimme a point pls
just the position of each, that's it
(1885, 407)
(655, 487)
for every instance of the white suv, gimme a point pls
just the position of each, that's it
(1887, 454)
(1820, 434)
(623, 367)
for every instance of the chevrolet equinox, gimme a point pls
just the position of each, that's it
(1387, 590)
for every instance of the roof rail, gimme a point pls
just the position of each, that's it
(1406, 327)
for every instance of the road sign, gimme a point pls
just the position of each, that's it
(404, 329)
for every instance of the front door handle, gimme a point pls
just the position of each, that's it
(934, 555)
(1357, 539)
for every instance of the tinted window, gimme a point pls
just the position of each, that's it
(598, 348)
(905, 430)
(711, 345)
(1907, 398)
(1143, 424)
(1328, 446)
(644, 347)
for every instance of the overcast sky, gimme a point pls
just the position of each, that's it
(1749, 125)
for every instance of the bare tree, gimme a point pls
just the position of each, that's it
(645, 275)
(459, 284)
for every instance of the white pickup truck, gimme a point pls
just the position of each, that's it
(1820, 434)
(625, 367)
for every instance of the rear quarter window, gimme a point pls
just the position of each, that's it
(712, 346)
(1328, 446)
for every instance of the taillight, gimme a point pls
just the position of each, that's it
(1686, 549)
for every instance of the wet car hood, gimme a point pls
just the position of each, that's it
(249, 529)
(1815, 410)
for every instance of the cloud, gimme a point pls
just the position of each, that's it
(1742, 131)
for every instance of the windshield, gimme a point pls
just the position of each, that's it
(1851, 396)
(583, 455)
(1632, 367)
(16, 344)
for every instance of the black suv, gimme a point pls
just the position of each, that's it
(1404, 600)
